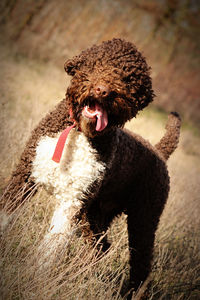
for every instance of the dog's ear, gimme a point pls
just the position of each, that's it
(72, 65)
(69, 67)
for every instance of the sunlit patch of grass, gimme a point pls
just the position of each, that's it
(80, 271)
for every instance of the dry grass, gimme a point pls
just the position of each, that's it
(28, 89)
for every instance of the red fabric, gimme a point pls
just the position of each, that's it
(61, 143)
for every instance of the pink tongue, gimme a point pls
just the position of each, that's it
(99, 113)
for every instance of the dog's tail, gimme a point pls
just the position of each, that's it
(169, 142)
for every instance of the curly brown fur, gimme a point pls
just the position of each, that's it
(112, 78)
(169, 141)
(120, 67)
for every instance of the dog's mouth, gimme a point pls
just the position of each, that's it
(97, 113)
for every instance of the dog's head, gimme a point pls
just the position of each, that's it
(110, 84)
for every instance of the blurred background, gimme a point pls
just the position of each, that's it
(166, 31)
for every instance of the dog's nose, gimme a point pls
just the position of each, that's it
(101, 91)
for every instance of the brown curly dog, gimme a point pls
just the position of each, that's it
(96, 169)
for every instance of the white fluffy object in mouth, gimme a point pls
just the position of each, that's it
(98, 112)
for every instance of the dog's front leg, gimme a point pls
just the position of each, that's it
(142, 224)
(141, 243)
(62, 227)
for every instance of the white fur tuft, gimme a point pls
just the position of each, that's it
(68, 180)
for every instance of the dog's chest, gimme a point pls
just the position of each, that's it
(78, 169)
